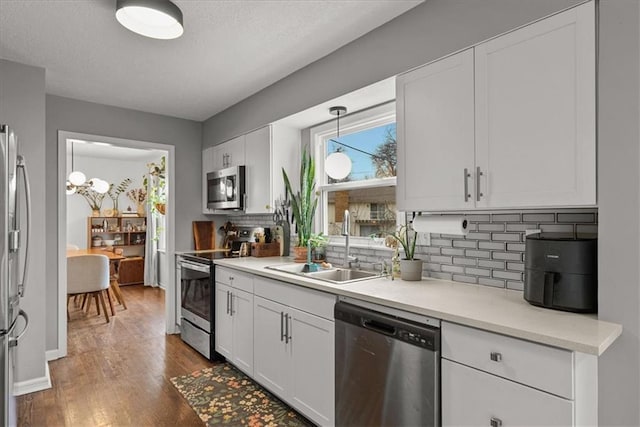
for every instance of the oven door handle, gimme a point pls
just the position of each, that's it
(194, 266)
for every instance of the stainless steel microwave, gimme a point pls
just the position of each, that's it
(225, 188)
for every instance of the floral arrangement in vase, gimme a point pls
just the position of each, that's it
(92, 197)
(138, 196)
(115, 191)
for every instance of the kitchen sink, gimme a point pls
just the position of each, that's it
(343, 275)
(332, 275)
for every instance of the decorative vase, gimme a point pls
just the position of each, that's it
(300, 254)
(95, 212)
(411, 269)
(141, 210)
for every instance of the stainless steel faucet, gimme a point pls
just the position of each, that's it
(346, 230)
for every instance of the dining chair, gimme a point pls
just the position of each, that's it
(88, 274)
(72, 247)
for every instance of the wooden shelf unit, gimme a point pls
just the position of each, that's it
(130, 235)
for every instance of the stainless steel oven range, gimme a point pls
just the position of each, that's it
(195, 278)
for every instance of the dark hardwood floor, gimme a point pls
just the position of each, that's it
(117, 374)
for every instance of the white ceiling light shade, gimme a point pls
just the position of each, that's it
(337, 165)
(99, 186)
(158, 19)
(77, 178)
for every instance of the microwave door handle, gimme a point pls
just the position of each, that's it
(22, 165)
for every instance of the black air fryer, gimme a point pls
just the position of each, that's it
(562, 273)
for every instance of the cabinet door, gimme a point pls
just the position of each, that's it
(208, 165)
(242, 316)
(271, 367)
(258, 171)
(435, 130)
(312, 345)
(473, 398)
(219, 157)
(234, 149)
(535, 113)
(224, 325)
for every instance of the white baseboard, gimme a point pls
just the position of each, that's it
(53, 355)
(33, 385)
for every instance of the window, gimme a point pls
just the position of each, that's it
(369, 191)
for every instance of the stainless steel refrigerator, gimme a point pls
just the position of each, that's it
(14, 259)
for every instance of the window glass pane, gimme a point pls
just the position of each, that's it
(372, 152)
(372, 211)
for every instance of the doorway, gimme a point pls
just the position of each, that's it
(127, 150)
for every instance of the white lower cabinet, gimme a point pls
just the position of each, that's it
(493, 380)
(294, 356)
(282, 336)
(234, 326)
(474, 398)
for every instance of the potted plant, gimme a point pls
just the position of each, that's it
(410, 267)
(93, 198)
(303, 203)
(318, 243)
(115, 191)
(157, 195)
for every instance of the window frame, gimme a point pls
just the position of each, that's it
(362, 120)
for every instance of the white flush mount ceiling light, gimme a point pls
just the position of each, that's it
(158, 19)
(337, 164)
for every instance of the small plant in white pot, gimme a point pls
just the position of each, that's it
(410, 267)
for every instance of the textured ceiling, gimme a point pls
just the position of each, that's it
(230, 49)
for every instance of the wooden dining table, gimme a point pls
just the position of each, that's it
(114, 261)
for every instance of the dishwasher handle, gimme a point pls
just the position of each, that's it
(379, 327)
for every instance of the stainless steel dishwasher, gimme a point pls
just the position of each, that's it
(387, 367)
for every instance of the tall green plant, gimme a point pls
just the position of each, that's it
(303, 201)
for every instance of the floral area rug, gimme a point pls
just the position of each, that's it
(223, 395)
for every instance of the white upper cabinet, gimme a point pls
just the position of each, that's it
(208, 165)
(230, 153)
(516, 112)
(435, 125)
(535, 113)
(267, 151)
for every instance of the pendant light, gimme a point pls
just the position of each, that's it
(337, 164)
(158, 19)
(78, 179)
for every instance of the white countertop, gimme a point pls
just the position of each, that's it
(497, 310)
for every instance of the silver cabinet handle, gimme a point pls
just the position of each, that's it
(495, 422)
(289, 326)
(228, 302)
(231, 305)
(478, 175)
(281, 326)
(467, 175)
(286, 328)
(495, 356)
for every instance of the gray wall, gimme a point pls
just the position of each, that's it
(85, 117)
(424, 33)
(439, 27)
(22, 106)
(618, 190)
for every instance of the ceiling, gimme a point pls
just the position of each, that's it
(104, 150)
(229, 50)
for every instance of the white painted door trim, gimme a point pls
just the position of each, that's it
(170, 296)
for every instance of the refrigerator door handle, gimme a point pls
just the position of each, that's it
(27, 192)
(13, 341)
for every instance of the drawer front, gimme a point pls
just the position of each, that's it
(536, 365)
(308, 300)
(475, 398)
(235, 279)
(196, 338)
